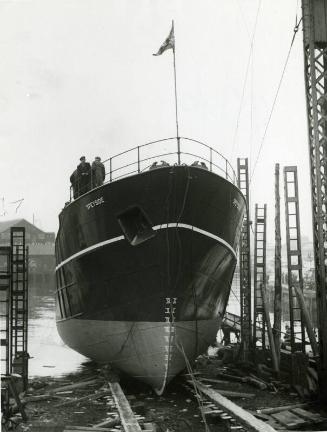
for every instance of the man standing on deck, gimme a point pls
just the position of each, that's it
(98, 172)
(74, 183)
(83, 176)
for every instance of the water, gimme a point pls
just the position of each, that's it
(49, 355)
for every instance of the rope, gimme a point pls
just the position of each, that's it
(180, 249)
(126, 340)
(197, 393)
(180, 253)
(232, 291)
(296, 28)
(167, 212)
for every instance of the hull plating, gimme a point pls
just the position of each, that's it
(144, 303)
(153, 352)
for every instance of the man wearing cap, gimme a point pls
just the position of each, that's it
(98, 172)
(74, 183)
(83, 176)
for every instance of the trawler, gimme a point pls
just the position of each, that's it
(146, 260)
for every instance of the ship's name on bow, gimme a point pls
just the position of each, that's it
(94, 203)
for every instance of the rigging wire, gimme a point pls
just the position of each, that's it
(243, 18)
(180, 252)
(296, 28)
(167, 213)
(235, 295)
(251, 134)
(180, 249)
(245, 79)
(198, 395)
(126, 340)
(297, 8)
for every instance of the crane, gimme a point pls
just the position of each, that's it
(315, 71)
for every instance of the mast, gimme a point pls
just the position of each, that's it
(176, 104)
(169, 43)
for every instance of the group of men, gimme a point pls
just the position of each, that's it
(87, 177)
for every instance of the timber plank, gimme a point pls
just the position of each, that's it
(94, 396)
(283, 408)
(84, 429)
(217, 381)
(307, 415)
(243, 417)
(109, 422)
(288, 419)
(76, 385)
(260, 416)
(234, 394)
(229, 393)
(127, 416)
(149, 427)
(38, 398)
(275, 424)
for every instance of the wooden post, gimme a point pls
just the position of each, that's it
(10, 381)
(274, 357)
(278, 272)
(307, 320)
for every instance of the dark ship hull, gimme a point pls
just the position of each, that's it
(144, 269)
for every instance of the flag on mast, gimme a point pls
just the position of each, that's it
(169, 42)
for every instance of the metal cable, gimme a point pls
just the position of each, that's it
(296, 28)
(245, 79)
(198, 396)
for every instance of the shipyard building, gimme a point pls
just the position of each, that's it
(41, 247)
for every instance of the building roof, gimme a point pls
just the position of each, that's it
(6, 225)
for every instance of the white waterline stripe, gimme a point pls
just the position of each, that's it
(199, 230)
(156, 228)
(88, 249)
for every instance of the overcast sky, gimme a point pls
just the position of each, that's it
(78, 78)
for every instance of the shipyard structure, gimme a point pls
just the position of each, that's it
(41, 263)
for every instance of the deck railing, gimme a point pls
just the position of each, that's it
(172, 151)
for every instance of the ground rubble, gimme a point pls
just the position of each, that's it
(262, 392)
(83, 399)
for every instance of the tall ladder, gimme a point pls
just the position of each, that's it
(5, 304)
(315, 68)
(245, 260)
(278, 269)
(294, 257)
(259, 331)
(19, 303)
